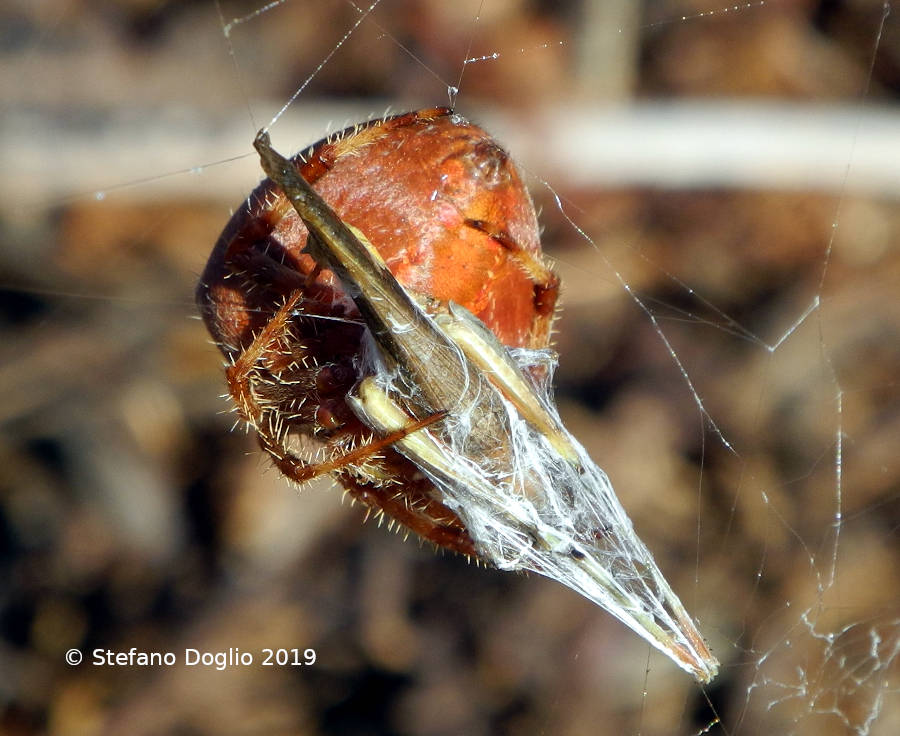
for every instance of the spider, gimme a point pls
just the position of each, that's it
(446, 209)
(401, 315)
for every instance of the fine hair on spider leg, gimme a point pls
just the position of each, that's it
(527, 493)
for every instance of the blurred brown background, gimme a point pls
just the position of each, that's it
(131, 516)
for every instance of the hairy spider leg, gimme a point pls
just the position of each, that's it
(546, 284)
(269, 427)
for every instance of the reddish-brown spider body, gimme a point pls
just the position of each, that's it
(448, 213)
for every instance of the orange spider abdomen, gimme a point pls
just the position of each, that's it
(438, 198)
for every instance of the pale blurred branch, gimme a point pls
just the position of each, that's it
(679, 145)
